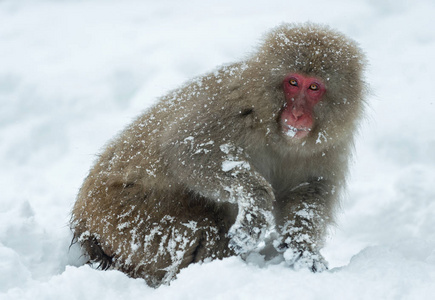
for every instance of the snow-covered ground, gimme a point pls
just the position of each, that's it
(73, 73)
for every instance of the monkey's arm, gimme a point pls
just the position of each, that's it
(302, 221)
(221, 171)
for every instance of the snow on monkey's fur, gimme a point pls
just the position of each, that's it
(210, 171)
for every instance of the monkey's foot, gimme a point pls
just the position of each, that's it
(299, 259)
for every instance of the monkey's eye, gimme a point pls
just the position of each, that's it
(314, 87)
(293, 82)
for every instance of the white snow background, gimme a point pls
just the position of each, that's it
(74, 73)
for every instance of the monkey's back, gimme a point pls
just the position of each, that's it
(132, 214)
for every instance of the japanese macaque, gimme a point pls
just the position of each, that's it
(249, 158)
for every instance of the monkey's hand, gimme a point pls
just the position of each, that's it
(253, 224)
(250, 230)
(304, 224)
(300, 251)
(305, 259)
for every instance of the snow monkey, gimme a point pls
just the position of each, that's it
(251, 157)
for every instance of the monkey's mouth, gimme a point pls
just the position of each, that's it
(294, 132)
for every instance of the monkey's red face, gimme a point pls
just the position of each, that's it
(302, 93)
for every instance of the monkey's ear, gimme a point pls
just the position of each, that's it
(246, 111)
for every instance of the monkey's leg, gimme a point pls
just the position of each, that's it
(173, 244)
(303, 222)
(92, 249)
(147, 233)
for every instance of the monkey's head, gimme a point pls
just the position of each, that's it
(313, 78)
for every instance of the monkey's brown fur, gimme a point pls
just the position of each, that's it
(208, 172)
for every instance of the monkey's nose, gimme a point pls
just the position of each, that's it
(297, 113)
